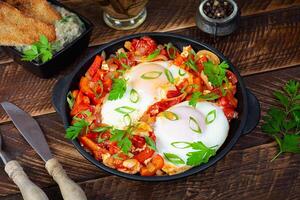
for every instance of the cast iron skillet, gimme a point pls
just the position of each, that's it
(248, 105)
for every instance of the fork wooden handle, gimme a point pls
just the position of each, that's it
(68, 188)
(29, 190)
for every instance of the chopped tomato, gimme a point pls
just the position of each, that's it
(82, 103)
(85, 88)
(143, 46)
(138, 141)
(229, 112)
(113, 148)
(173, 93)
(95, 66)
(179, 60)
(152, 136)
(144, 155)
(107, 84)
(158, 161)
(90, 144)
(92, 136)
(231, 77)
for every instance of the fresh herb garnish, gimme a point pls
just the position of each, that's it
(118, 89)
(151, 75)
(153, 55)
(70, 100)
(196, 96)
(170, 115)
(150, 143)
(42, 50)
(181, 72)
(173, 158)
(216, 73)
(120, 56)
(191, 64)
(127, 119)
(72, 132)
(171, 50)
(121, 137)
(283, 122)
(169, 76)
(194, 125)
(134, 96)
(102, 129)
(125, 109)
(211, 116)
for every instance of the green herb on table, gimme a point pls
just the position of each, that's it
(196, 96)
(41, 50)
(283, 122)
(216, 73)
(118, 89)
(72, 132)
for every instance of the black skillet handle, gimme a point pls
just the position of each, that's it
(58, 97)
(253, 112)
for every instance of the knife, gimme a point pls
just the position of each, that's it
(33, 134)
(28, 189)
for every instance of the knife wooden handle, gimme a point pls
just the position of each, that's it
(29, 190)
(69, 189)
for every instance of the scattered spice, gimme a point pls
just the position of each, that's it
(218, 9)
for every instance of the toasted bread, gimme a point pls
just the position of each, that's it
(37, 9)
(19, 29)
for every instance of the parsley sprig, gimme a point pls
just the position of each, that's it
(121, 137)
(118, 89)
(72, 132)
(196, 96)
(216, 73)
(283, 122)
(41, 50)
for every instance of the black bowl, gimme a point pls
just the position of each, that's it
(248, 106)
(60, 59)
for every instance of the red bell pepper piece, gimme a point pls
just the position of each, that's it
(95, 65)
(144, 155)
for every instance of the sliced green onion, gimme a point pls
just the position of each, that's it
(134, 96)
(88, 113)
(194, 126)
(125, 109)
(151, 75)
(101, 129)
(169, 76)
(103, 55)
(121, 55)
(100, 140)
(173, 158)
(127, 119)
(181, 72)
(191, 64)
(125, 66)
(181, 145)
(211, 116)
(171, 47)
(121, 71)
(70, 99)
(153, 55)
(150, 142)
(209, 96)
(170, 115)
(192, 52)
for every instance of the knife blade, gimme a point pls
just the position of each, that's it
(29, 129)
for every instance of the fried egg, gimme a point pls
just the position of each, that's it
(147, 83)
(206, 123)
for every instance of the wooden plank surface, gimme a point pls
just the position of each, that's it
(263, 42)
(245, 173)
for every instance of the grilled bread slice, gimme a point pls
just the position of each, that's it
(37, 9)
(19, 29)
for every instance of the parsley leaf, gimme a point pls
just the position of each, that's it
(41, 50)
(118, 89)
(120, 136)
(283, 122)
(72, 132)
(216, 73)
(200, 156)
(196, 96)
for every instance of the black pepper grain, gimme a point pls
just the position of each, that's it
(217, 9)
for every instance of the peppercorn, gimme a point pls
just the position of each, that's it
(218, 9)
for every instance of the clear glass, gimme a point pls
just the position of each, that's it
(124, 14)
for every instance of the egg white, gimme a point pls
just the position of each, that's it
(212, 135)
(150, 91)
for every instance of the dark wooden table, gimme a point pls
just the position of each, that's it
(266, 50)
